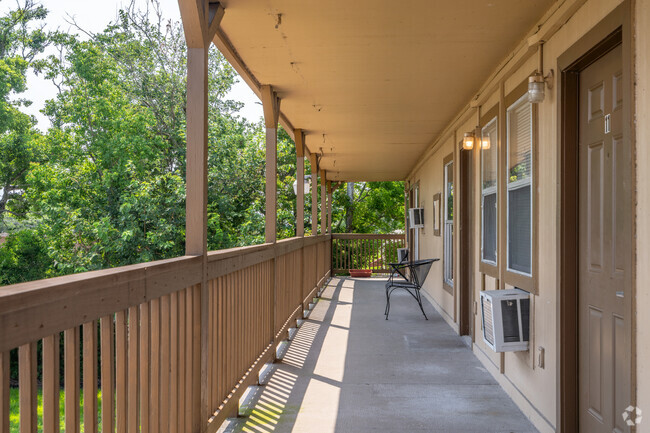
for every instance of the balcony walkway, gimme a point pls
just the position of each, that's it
(349, 370)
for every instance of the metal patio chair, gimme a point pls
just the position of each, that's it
(408, 276)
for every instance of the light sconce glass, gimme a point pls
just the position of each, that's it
(468, 141)
(307, 182)
(485, 142)
(536, 86)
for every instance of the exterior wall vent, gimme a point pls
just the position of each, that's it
(416, 218)
(506, 316)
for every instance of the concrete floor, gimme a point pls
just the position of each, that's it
(349, 370)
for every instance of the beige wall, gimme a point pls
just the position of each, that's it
(533, 388)
(642, 93)
(431, 182)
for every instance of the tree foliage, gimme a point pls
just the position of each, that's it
(104, 186)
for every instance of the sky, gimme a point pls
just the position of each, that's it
(94, 15)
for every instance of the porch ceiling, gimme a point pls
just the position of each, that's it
(373, 83)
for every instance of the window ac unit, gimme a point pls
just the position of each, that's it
(402, 254)
(506, 315)
(416, 217)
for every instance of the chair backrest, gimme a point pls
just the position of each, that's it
(420, 270)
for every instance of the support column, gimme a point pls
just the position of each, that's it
(329, 206)
(323, 203)
(196, 223)
(314, 194)
(271, 105)
(196, 220)
(200, 24)
(300, 182)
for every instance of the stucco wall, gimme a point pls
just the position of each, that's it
(431, 182)
(533, 388)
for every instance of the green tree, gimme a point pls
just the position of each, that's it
(22, 38)
(375, 207)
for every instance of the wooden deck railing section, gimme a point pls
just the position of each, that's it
(146, 322)
(365, 251)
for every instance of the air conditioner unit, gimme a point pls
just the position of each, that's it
(506, 315)
(416, 217)
(402, 254)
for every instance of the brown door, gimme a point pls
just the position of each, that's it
(465, 265)
(605, 215)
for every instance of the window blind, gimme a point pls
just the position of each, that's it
(519, 186)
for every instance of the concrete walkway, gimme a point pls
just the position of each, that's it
(349, 370)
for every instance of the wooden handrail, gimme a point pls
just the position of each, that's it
(398, 236)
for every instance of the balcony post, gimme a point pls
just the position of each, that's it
(323, 203)
(200, 23)
(271, 105)
(300, 182)
(313, 158)
(329, 206)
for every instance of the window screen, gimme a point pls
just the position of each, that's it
(519, 186)
(489, 192)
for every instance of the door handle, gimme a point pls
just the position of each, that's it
(620, 294)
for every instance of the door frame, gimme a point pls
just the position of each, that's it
(613, 30)
(465, 217)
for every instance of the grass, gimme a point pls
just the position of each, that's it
(14, 412)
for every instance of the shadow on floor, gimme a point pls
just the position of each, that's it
(349, 370)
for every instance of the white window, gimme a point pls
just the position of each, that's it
(520, 186)
(489, 202)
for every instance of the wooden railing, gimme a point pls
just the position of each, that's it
(174, 353)
(364, 251)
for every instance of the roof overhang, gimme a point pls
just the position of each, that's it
(372, 84)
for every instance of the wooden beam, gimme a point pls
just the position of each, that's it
(222, 42)
(194, 22)
(215, 15)
(271, 106)
(323, 203)
(299, 138)
(314, 193)
(300, 183)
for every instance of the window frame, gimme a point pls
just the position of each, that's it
(488, 267)
(513, 277)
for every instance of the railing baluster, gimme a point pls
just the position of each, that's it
(90, 376)
(120, 371)
(133, 369)
(107, 363)
(71, 379)
(5, 407)
(145, 360)
(164, 362)
(154, 366)
(50, 384)
(182, 349)
(27, 387)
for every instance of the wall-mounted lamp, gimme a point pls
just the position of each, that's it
(538, 81)
(468, 141)
(536, 84)
(485, 142)
(307, 181)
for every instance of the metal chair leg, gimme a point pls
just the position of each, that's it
(419, 299)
